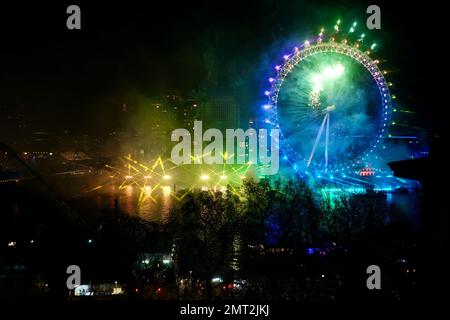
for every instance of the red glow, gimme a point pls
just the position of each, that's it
(367, 171)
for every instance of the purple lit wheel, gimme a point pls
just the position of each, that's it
(332, 105)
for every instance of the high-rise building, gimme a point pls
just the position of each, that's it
(220, 112)
(188, 113)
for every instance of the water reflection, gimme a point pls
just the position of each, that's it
(129, 207)
(151, 204)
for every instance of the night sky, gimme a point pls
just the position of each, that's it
(60, 77)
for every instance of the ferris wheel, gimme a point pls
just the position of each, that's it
(331, 103)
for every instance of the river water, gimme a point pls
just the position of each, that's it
(92, 197)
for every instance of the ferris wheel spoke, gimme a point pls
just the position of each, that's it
(327, 134)
(319, 134)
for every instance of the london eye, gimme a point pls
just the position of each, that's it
(331, 103)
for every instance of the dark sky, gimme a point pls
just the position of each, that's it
(61, 76)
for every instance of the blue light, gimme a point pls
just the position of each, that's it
(274, 85)
(311, 251)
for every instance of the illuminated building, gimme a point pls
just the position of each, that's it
(220, 112)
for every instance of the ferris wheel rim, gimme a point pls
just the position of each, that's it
(353, 52)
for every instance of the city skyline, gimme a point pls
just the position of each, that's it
(239, 153)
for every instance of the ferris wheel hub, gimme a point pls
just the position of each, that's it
(330, 108)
